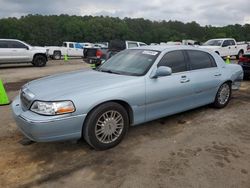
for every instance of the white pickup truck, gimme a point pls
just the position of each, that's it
(16, 51)
(225, 47)
(71, 49)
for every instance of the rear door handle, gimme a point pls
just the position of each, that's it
(217, 74)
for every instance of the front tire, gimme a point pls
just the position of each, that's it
(106, 126)
(39, 61)
(223, 95)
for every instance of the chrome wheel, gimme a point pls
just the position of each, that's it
(109, 126)
(224, 94)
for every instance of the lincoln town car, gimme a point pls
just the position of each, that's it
(136, 85)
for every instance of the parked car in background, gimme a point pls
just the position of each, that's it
(153, 44)
(16, 51)
(101, 45)
(225, 47)
(86, 45)
(244, 61)
(134, 86)
(99, 54)
(71, 49)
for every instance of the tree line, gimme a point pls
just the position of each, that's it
(53, 30)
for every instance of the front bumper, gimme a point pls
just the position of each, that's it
(47, 128)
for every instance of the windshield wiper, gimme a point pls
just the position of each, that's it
(108, 71)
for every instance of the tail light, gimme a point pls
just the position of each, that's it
(99, 53)
(244, 59)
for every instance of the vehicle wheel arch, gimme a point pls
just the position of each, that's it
(240, 51)
(55, 52)
(123, 103)
(41, 55)
(217, 52)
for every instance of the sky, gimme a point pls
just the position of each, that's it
(211, 12)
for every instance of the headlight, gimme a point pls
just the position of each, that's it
(52, 108)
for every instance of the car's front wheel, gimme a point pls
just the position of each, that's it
(106, 126)
(223, 95)
(39, 61)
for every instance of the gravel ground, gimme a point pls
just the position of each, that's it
(204, 147)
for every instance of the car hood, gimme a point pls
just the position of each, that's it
(57, 87)
(38, 48)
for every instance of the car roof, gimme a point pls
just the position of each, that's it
(10, 39)
(162, 48)
(223, 39)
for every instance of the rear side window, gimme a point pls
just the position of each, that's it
(132, 44)
(175, 60)
(71, 45)
(200, 60)
(232, 42)
(3, 44)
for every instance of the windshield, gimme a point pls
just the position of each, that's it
(134, 62)
(213, 43)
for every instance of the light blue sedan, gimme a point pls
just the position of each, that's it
(134, 86)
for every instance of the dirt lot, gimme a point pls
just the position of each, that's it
(204, 147)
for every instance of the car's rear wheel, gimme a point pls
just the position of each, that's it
(223, 95)
(39, 61)
(106, 126)
(57, 55)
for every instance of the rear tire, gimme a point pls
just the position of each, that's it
(223, 95)
(106, 126)
(39, 61)
(57, 55)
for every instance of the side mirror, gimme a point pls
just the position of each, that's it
(161, 71)
(27, 48)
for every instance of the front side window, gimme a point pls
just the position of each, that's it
(226, 43)
(200, 60)
(130, 62)
(213, 42)
(175, 60)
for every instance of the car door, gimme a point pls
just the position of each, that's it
(226, 48)
(233, 46)
(170, 94)
(205, 76)
(71, 50)
(5, 52)
(19, 52)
